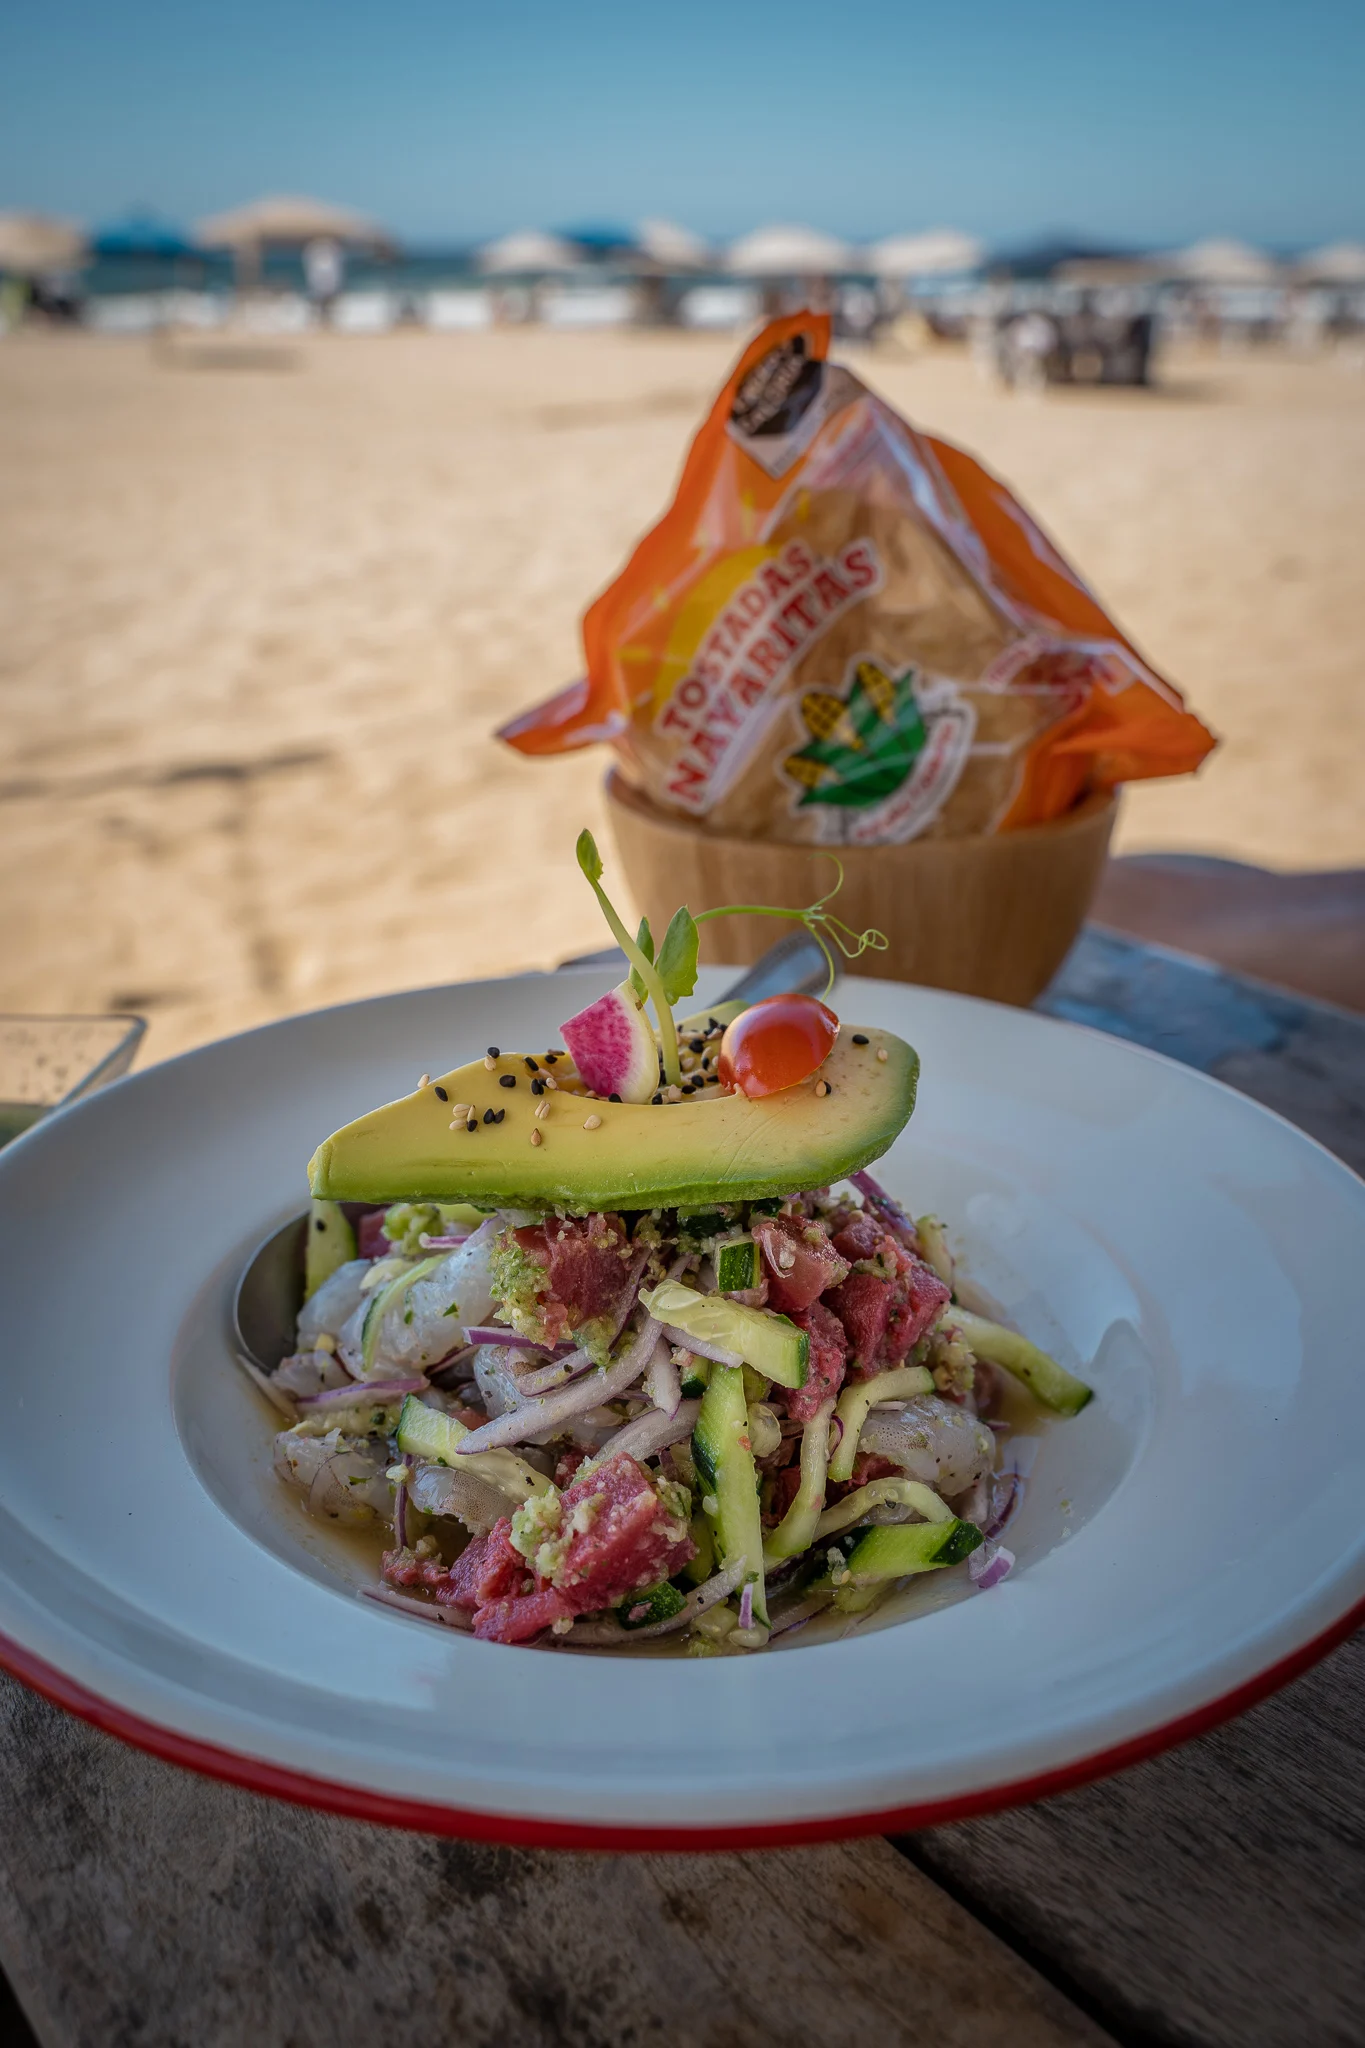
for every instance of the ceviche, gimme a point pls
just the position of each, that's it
(621, 1339)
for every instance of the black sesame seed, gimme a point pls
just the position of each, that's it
(712, 1025)
(441, 1095)
(860, 1038)
(696, 1044)
(473, 1124)
(613, 1097)
(499, 1115)
(320, 1223)
(507, 1080)
(489, 1117)
(656, 1098)
(537, 1087)
(493, 1053)
(531, 1066)
(550, 1058)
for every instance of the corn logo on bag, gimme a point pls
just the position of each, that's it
(845, 631)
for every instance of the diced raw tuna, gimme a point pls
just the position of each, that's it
(586, 1262)
(918, 1298)
(486, 1569)
(859, 1237)
(370, 1241)
(863, 1305)
(870, 1465)
(405, 1568)
(800, 1261)
(786, 1486)
(825, 1367)
(628, 1538)
(517, 1620)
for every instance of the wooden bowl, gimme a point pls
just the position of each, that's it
(988, 915)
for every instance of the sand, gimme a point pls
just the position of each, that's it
(260, 617)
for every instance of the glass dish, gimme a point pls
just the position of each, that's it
(46, 1062)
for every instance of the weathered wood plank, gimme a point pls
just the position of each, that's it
(1216, 1895)
(141, 1907)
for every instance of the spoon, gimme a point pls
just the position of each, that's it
(269, 1294)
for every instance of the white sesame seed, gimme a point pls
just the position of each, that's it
(822, 1087)
(461, 1108)
(490, 1062)
(536, 1138)
(550, 1082)
(424, 1081)
(542, 1109)
(881, 1052)
(592, 1123)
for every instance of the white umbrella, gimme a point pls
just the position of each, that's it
(673, 248)
(937, 253)
(527, 250)
(33, 244)
(1339, 263)
(287, 222)
(789, 252)
(1222, 262)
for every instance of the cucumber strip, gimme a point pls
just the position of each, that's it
(702, 1566)
(428, 1433)
(331, 1242)
(383, 1300)
(725, 1465)
(801, 1522)
(855, 1401)
(770, 1343)
(905, 1493)
(933, 1243)
(1049, 1382)
(693, 1377)
(656, 1603)
(895, 1550)
(739, 1264)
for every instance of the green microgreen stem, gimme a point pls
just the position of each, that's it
(827, 930)
(590, 860)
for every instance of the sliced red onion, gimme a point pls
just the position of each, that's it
(549, 1411)
(497, 1333)
(591, 1635)
(544, 1377)
(448, 1243)
(653, 1431)
(400, 1507)
(661, 1381)
(700, 1350)
(746, 1605)
(889, 1209)
(359, 1392)
(443, 1617)
(990, 1564)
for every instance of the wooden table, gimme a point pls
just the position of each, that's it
(1214, 1895)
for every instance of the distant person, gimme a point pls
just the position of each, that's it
(324, 269)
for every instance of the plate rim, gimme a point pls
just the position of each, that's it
(387, 1809)
(238, 1766)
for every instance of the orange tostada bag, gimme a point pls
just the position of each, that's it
(845, 631)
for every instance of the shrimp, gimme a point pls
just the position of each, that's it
(931, 1440)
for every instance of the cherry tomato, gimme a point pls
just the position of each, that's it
(775, 1044)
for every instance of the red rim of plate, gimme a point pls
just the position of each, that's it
(386, 1809)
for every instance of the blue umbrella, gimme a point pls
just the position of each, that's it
(142, 233)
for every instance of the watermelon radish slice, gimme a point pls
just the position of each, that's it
(613, 1046)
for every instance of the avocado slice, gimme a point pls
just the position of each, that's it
(331, 1242)
(724, 1148)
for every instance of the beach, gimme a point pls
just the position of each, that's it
(262, 612)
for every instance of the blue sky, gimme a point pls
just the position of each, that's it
(1147, 123)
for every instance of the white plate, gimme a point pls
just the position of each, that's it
(1196, 1535)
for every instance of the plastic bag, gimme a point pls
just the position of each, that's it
(847, 632)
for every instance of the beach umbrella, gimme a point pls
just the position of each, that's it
(672, 248)
(789, 252)
(1338, 263)
(528, 250)
(141, 233)
(1222, 262)
(940, 252)
(34, 244)
(287, 222)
